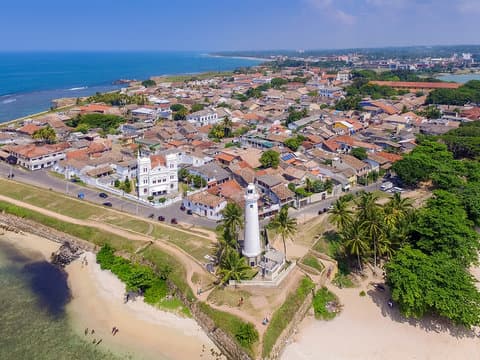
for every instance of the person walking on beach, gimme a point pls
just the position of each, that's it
(98, 342)
(93, 331)
(113, 329)
(86, 331)
(116, 331)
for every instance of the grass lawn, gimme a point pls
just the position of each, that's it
(320, 301)
(196, 246)
(313, 262)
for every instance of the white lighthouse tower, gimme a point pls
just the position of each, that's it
(252, 247)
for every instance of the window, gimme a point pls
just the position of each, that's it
(251, 206)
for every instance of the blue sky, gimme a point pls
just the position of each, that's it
(234, 24)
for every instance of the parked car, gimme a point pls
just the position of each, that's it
(189, 212)
(174, 221)
(103, 195)
(387, 185)
(108, 203)
(182, 208)
(74, 180)
(81, 195)
(161, 218)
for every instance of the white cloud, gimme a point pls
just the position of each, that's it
(469, 6)
(329, 8)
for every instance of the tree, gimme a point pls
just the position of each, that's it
(359, 153)
(197, 107)
(232, 220)
(183, 174)
(423, 284)
(46, 134)
(227, 126)
(285, 226)
(233, 267)
(127, 185)
(293, 143)
(278, 82)
(270, 158)
(340, 214)
(149, 83)
(354, 242)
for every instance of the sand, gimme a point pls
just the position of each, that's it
(368, 329)
(144, 331)
(97, 303)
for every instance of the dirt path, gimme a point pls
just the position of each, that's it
(189, 263)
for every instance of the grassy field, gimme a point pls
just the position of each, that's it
(189, 77)
(196, 246)
(313, 262)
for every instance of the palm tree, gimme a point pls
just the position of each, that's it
(366, 205)
(398, 208)
(308, 184)
(232, 220)
(227, 125)
(285, 226)
(374, 229)
(233, 267)
(340, 214)
(354, 242)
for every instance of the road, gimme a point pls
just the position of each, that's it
(44, 179)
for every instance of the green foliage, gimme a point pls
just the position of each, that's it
(442, 227)
(294, 143)
(197, 107)
(230, 324)
(284, 314)
(270, 158)
(108, 123)
(423, 284)
(157, 291)
(313, 262)
(294, 115)
(46, 134)
(430, 112)
(233, 267)
(359, 153)
(177, 107)
(343, 281)
(117, 99)
(320, 301)
(467, 93)
(217, 132)
(149, 83)
(349, 103)
(363, 293)
(246, 334)
(464, 141)
(117, 183)
(284, 225)
(277, 83)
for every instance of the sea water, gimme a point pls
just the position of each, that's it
(33, 322)
(30, 80)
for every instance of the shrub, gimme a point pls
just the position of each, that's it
(313, 262)
(320, 301)
(363, 293)
(246, 334)
(156, 292)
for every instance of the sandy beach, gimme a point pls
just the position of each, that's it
(97, 303)
(368, 329)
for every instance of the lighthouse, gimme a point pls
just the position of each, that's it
(251, 247)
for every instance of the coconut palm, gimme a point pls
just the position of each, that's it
(374, 228)
(227, 125)
(285, 226)
(340, 214)
(233, 267)
(232, 221)
(354, 242)
(398, 208)
(367, 206)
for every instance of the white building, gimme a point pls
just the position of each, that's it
(35, 157)
(203, 117)
(205, 204)
(343, 76)
(252, 248)
(157, 175)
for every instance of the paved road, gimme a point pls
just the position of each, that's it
(44, 179)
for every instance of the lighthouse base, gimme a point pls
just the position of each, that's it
(252, 260)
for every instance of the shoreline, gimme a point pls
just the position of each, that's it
(97, 303)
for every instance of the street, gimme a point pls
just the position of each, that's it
(43, 179)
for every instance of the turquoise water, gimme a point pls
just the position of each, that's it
(29, 81)
(462, 78)
(33, 323)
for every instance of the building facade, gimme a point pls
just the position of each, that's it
(157, 175)
(203, 117)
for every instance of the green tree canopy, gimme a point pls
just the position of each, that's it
(359, 153)
(46, 134)
(423, 284)
(270, 158)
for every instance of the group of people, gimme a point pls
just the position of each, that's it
(92, 332)
(84, 261)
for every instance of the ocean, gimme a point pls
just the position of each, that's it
(30, 80)
(33, 320)
(460, 78)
